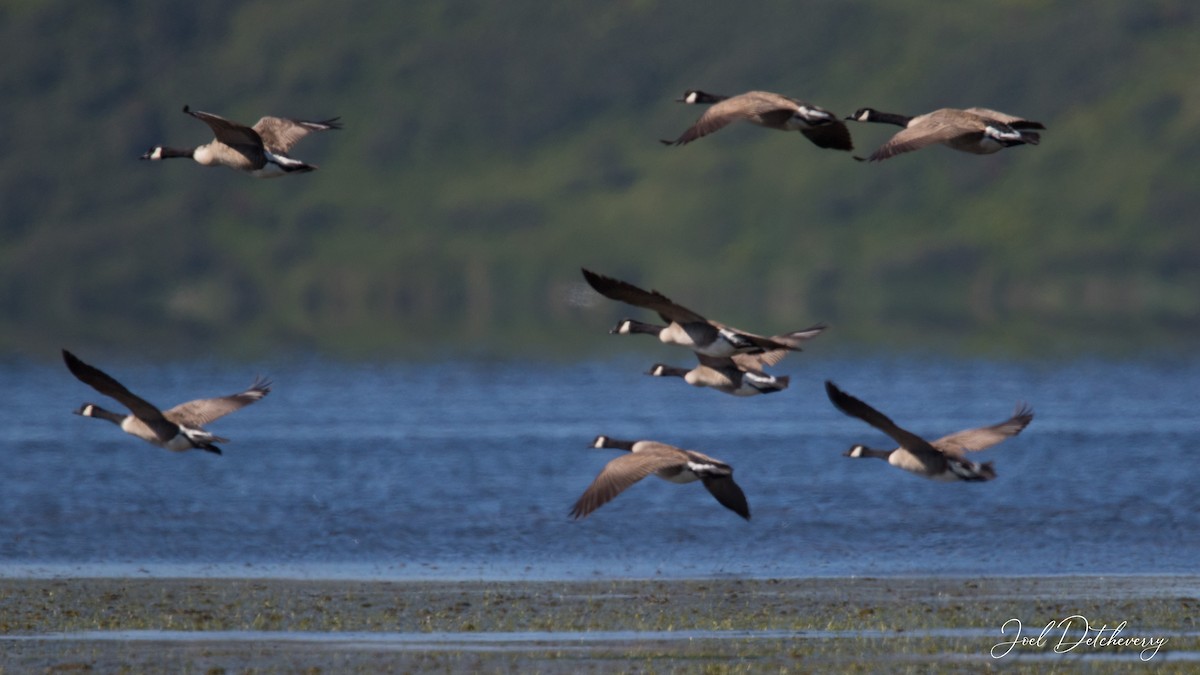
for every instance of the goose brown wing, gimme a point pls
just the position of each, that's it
(930, 131)
(97, 379)
(708, 123)
(773, 354)
(752, 363)
(853, 407)
(620, 473)
(756, 362)
(1013, 121)
(971, 440)
(279, 134)
(623, 291)
(202, 411)
(728, 367)
(228, 132)
(793, 340)
(771, 109)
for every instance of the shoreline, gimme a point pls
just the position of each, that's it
(118, 623)
(431, 573)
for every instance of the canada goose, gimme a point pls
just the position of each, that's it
(940, 460)
(665, 461)
(260, 151)
(976, 130)
(689, 329)
(738, 375)
(179, 428)
(766, 109)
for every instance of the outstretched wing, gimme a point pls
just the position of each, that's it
(105, 384)
(202, 411)
(792, 341)
(623, 291)
(228, 132)
(971, 440)
(279, 134)
(771, 109)
(834, 136)
(728, 494)
(930, 132)
(906, 439)
(619, 474)
(756, 362)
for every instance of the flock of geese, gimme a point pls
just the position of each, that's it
(978, 131)
(730, 360)
(733, 361)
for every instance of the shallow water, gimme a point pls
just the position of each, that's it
(454, 470)
(589, 641)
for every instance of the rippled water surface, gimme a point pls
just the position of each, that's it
(468, 471)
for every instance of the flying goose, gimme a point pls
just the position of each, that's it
(260, 151)
(179, 428)
(976, 130)
(942, 459)
(738, 375)
(766, 109)
(689, 329)
(665, 461)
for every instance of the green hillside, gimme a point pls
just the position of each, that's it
(491, 149)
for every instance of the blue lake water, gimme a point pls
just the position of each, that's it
(468, 470)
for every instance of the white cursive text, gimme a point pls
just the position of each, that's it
(1066, 635)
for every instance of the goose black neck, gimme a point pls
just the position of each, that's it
(890, 118)
(879, 454)
(177, 152)
(101, 413)
(617, 444)
(634, 326)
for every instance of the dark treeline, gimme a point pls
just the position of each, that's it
(490, 150)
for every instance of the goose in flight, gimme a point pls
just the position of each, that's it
(943, 459)
(260, 150)
(978, 131)
(179, 428)
(689, 329)
(766, 109)
(665, 461)
(738, 375)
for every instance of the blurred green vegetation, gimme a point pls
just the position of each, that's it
(491, 149)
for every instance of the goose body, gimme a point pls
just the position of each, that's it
(941, 460)
(738, 375)
(978, 131)
(688, 329)
(180, 428)
(665, 461)
(766, 109)
(260, 151)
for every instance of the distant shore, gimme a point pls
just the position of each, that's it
(110, 624)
